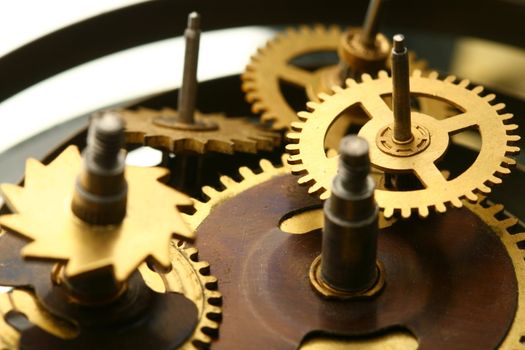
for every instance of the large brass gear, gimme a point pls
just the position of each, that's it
(224, 135)
(308, 156)
(188, 276)
(41, 212)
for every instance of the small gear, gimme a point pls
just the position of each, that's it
(211, 133)
(308, 157)
(42, 213)
(188, 276)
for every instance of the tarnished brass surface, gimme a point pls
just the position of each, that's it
(227, 134)
(308, 157)
(41, 212)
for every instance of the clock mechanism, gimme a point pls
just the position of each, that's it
(365, 202)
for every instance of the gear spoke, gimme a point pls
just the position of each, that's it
(295, 75)
(460, 121)
(429, 175)
(376, 107)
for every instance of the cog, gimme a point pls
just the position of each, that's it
(514, 245)
(308, 156)
(224, 134)
(232, 188)
(188, 276)
(42, 213)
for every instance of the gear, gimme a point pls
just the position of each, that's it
(188, 276)
(42, 213)
(212, 133)
(233, 188)
(309, 159)
(192, 278)
(272, 64)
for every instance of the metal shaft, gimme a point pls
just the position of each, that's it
(370, 26)
(188, 90)
(401, 91)
(100, 195)
(348, 258)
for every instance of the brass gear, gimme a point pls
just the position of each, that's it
(41, 212)
(188, 276)
(270, 64)
(308, 156)
(223, 134)
(232, 188)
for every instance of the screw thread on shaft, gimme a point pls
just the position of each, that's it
(100, 195)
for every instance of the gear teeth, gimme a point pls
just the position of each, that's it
(227, 181)
(441, 208)
(503, 170)
(495, 180)
(499, 106)
(209, 191)
(266, 165)
(456, 202)
(350, 82)
(293, 149)
(405, 213)
(294, 159)
(303, 115)
(297, 126)
(323, 96)
(423, 212)
(450, 79)
(383, 74)
(297, 169)
(471, 196)
(311, 105)
(509, 161)
(388, 212)
(416, 73)
(484, 188)
(305, 180)
(366, 77)
(336, 89)
(293, 136)
(257, 107)
(478, 90)
(508, 222)
(489, 98)
(512, 150)
(433, 75)
(315, 188)
(513, 138)
(245, 172)
(464, 83)
(506, 116)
